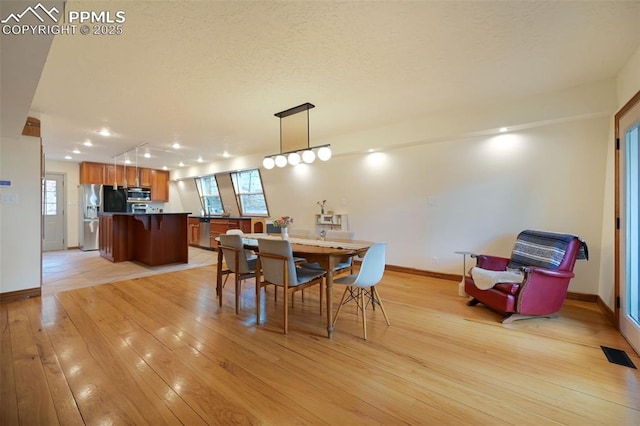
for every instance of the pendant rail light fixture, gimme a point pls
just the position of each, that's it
(127, 160)
(115, 173)
(294, 140)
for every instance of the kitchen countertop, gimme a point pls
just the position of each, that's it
(224, 217)
(139, 214)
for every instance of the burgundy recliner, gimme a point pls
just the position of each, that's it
(547, 260)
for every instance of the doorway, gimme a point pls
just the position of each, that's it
(53, 212)
(627, 310)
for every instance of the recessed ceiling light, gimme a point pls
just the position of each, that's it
(87, 143)
(127, 161)
(68, 157)
(181, 164)
(105, 132)
(200, 160)
(147, 155)
(502, 129)
(175, 145)
(76, 151)
(225, 154)
(165, 168)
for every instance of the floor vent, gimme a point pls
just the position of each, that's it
(617, 356)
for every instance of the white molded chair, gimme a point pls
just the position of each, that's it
(275, 260)
(235, 256)
(361, 287)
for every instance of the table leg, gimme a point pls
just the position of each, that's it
(219, 278)
(329, 285)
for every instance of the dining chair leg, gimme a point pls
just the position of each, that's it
(258, 288)
(364, 313)
(335, 317)
(321, 291)
(285, 302)
(237, 296)
(379, 301)
(373, 299)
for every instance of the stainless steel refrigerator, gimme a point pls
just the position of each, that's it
(90, 200)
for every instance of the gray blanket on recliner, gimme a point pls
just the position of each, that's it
(543, 249)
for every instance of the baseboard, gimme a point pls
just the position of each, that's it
(424, 273)
(12, 296)
(611, 315)
(593, 298)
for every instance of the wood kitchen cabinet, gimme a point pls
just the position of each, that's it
(194, 231)
(222, 225)
(131, 173)
(145, 177)
(152, 239)
(160, 186)
(113, 174)
(92, 173)
(108, 174)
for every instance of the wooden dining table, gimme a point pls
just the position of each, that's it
(326, 253)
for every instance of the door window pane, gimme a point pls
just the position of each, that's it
(49, 197)
(633, 225)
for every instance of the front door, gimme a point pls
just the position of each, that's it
(53, 212)
(628, 311)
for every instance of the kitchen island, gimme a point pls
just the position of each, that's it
(150, 238)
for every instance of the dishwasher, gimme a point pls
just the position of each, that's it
(205, 232)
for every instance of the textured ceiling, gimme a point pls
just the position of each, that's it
(211, 75)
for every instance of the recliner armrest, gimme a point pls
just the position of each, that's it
(492, 263)
(548, 272)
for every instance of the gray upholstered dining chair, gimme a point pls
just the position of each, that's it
(339, 235)
(277, 266)
(361, 287)
(250, 254)
(346, 263)
(236, 259)
(299, 233)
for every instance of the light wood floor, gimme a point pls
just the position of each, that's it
(158, 350)
(71, 269)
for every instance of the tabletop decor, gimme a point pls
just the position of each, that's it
(283, 223)
(321, 204)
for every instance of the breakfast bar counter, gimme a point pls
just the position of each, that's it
(150, 238)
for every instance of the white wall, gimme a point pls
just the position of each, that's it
(627, 85)
(628, 82)
(548, 174)
(20, 214)
(21, 61)
(484, 190)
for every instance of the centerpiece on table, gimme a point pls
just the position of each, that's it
(321, 204)
(283, 223)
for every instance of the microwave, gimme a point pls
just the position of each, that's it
(135, 195)
(137, 208)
